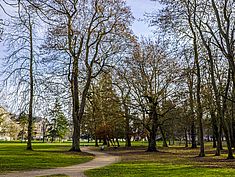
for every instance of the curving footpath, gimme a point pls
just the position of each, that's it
(101, 159)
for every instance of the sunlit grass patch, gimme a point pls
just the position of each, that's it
(156, 169)
(15, 157)
(175, 161)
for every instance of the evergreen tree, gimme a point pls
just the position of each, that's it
(23, 121)
(59, 123)
(111, 116)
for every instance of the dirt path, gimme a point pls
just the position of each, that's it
(101, 159)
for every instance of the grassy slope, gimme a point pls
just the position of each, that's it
(171, 162)
(14, 157)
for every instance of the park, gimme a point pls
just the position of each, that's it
(129, 88)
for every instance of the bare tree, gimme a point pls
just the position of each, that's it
(20, 63)
(152, 75)
(89, 34)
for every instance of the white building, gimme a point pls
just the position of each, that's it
(9, 129)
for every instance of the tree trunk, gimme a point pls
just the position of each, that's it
(216, 133)
(22, 136)
(198, 96)
(96, 142)
(44, 132)
(202, 151)
(232, 134)
(193, 135)
(30, 118)
(108, 142)
(152, 142)
(78, 111)
(82, 107)
(193, 128)
(76, 137)
(76, 122)
(226, 133)
(233, 128)
(117, 142)
(163, 137)
(223, 121)
(230, 127)
(186, 137)
(105, 141)
(127, 130)
(74, 88)
(153, 130)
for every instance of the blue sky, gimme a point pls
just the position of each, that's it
(139, 8)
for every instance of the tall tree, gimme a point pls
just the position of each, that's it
(89, 34)
(152, 81)
(20, 64)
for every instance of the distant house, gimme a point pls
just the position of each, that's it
(40, 128)
(9, 129)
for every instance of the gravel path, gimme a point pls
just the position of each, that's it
(101, 159)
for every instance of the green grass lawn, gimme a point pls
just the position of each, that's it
(170, 162)
(159, 170)
(14, 157)
(175, 161)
